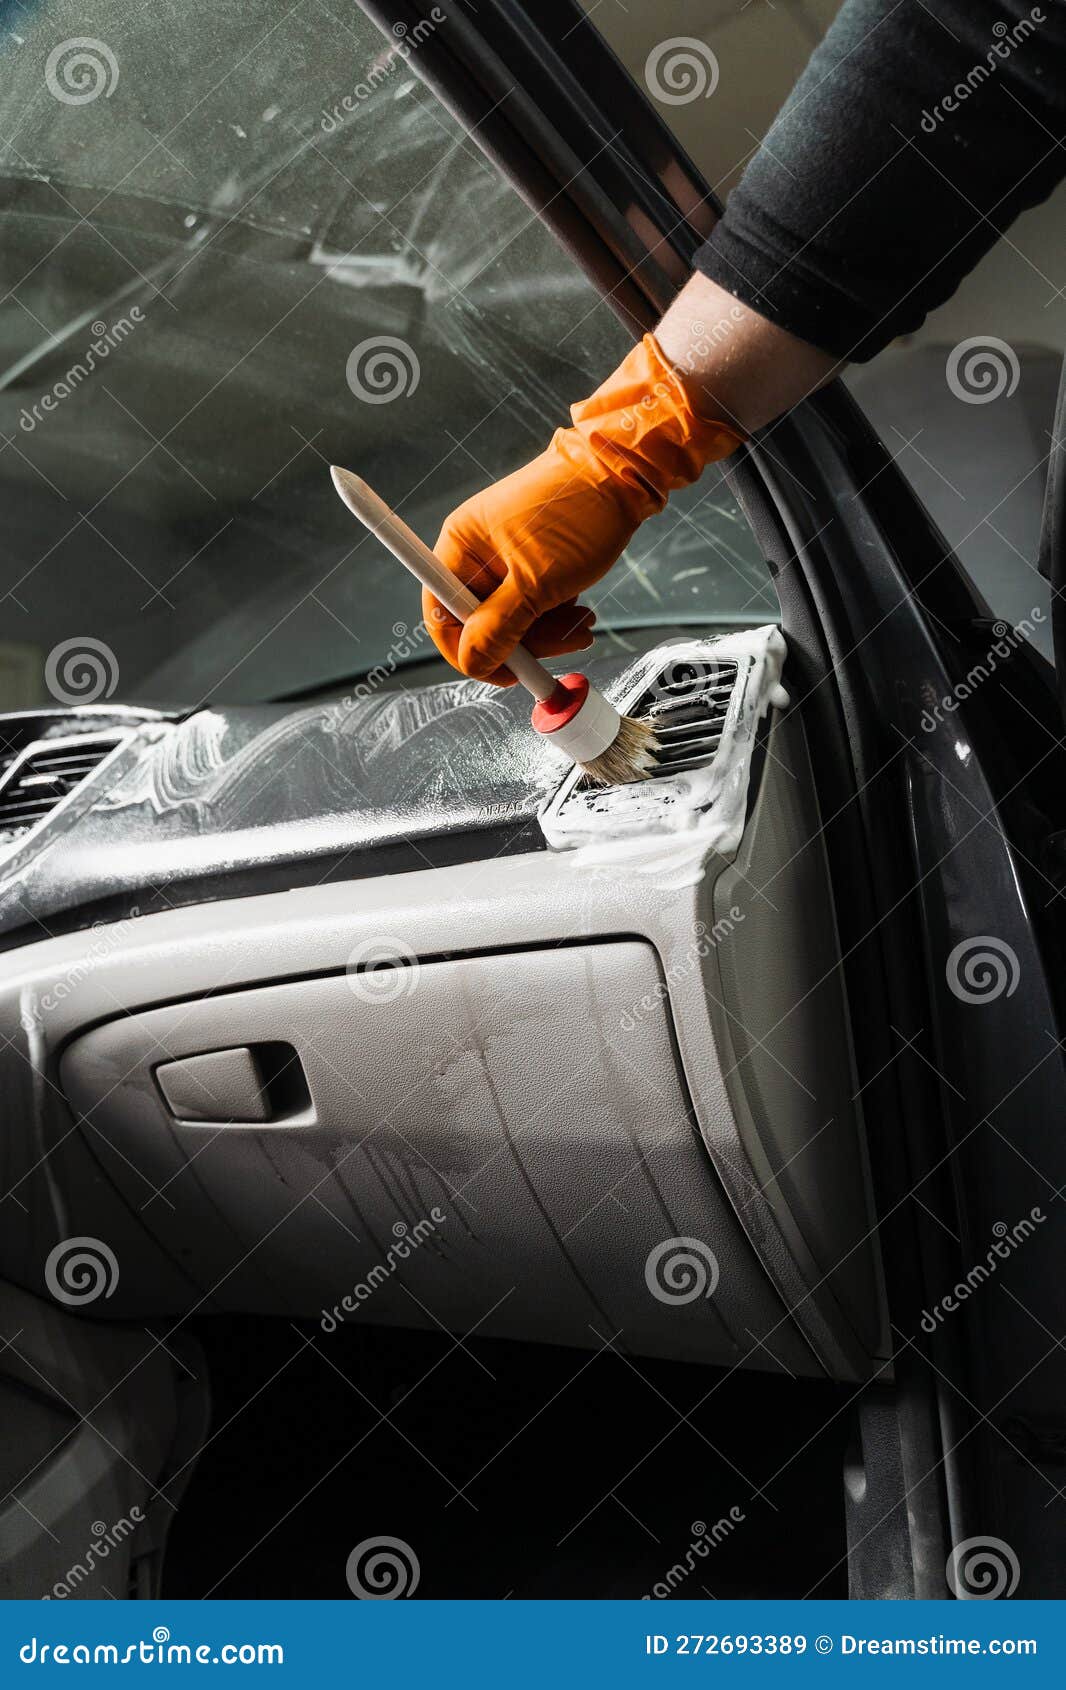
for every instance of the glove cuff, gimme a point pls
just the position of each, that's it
(643, 432)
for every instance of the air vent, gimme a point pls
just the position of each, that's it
(687, 707)
(705, 700)
(43, 776)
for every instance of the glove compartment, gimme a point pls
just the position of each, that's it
(500, 1143)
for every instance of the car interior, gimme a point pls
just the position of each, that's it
(403, 1138)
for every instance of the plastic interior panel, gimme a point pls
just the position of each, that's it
(482, 1113)
(645, 916)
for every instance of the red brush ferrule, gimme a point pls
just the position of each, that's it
(555, 712)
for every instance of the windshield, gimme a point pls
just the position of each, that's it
(241, 241)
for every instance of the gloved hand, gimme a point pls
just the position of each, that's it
(529, 544)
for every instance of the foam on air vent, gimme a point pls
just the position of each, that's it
(687, 707)
(44, 775)
(705, 699)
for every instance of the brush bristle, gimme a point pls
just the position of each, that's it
(629, 757)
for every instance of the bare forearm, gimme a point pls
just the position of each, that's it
(736, 365)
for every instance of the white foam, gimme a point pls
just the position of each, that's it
(668, 826)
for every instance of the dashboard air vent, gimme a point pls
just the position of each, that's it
(687, 706)
(42, 776)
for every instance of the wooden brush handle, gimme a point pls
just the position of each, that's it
(405, 545)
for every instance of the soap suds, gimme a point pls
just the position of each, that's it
(668, 826)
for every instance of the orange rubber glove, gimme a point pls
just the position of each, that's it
(529, 544)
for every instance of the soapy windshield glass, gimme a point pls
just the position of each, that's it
(241, 241)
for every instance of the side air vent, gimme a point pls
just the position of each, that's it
(43, 776)
(687, 706)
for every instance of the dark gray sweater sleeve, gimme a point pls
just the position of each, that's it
(918, 132)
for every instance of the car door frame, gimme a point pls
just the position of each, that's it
(937, 836)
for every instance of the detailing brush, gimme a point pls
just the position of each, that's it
(609, 747)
